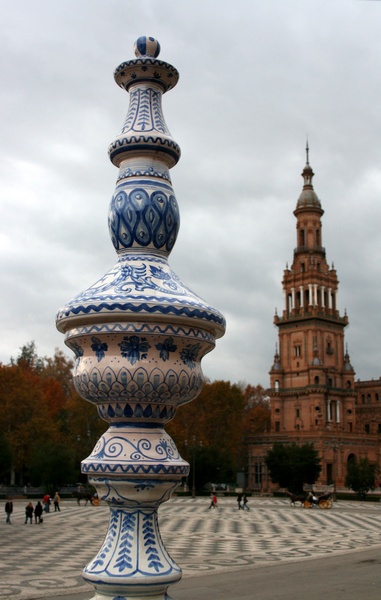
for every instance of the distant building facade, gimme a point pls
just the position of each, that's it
(314, 397)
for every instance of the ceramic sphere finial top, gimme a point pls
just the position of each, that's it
(146, 46)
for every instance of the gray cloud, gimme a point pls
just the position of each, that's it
(255, 79)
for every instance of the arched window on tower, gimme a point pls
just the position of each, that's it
(297, 350)
(317, 380)
(276, 385)
(302, 237)
(334, 301)
(317, 237)
(297, 300)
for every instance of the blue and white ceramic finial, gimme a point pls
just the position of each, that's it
(147, 46)
(138, 335)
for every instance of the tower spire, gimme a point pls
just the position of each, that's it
(308, 198)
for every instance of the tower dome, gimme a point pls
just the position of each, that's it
(308, 197)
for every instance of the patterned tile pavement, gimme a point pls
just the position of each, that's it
(45, 560)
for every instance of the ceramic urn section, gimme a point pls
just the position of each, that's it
(144, 371)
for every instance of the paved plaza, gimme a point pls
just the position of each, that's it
(45, 561)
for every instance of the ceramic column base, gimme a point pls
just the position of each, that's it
(134, 468)
(132, 561)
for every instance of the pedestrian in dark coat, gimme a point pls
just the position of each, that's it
(29, 513)
(8, 510)
(38, 512)
(239, 501)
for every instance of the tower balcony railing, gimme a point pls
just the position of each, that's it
(300, 313)
(301, 249)
(318, 388)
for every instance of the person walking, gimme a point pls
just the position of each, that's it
(56, 502)
(29, 513)
(239, 501)
(213, 501)
(8, 510)
(38, 512)
(245, 502)
(46, 501)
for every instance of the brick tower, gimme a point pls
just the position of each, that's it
(313, 394)
(312, 380)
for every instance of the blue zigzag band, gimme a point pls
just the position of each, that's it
(194, 314)
(106, 468)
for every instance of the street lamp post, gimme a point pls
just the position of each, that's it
(194, 443)
(335, 445)
(194, 468)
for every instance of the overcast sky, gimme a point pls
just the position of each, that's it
(256, 77)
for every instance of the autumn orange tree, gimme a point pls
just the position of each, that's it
(45, 427)
(257, 417)
(211, 431)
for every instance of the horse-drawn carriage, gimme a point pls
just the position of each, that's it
(87, 496)
(310, 500)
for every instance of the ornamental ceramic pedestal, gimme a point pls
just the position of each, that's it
(139, 335)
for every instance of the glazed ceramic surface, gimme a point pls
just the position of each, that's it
(138, 335)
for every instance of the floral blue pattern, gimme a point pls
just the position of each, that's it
(189, 355)
(77, 349)
(99, 348)
(108, 542)
(134, 348)
(150, 544)
(125, 549)
(166, 347)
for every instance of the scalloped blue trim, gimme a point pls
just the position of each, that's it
(134, 469)
(106, 328)
(128, 306)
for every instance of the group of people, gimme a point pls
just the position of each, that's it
(56, 502)
(242, 501)
(35, 511)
